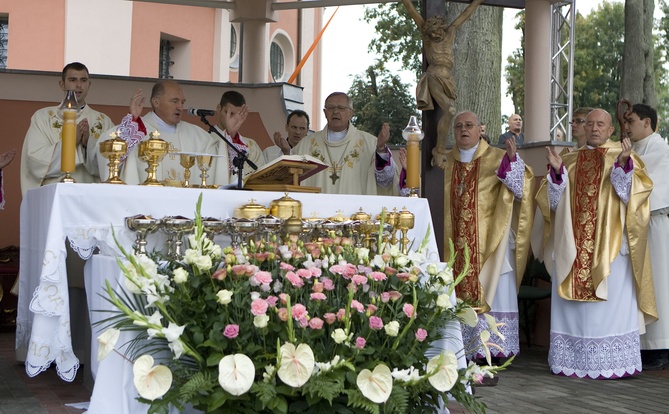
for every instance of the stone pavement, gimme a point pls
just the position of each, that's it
(525, 387)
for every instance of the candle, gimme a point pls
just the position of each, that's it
(68, 141)
(413, 161)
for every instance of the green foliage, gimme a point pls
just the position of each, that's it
(357, 400)
(515, 72)
(398, 38)
(379, 96)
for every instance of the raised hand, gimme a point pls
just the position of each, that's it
(403, 158)
(624, 156)
(136, 104)
(510, 148)
(383, 137)
(282, 143)
(553, 158)
(234, 118)
(7, 157)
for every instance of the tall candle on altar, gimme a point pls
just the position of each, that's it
(413, 135)
(68, 139)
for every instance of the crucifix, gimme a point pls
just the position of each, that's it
(334, 176)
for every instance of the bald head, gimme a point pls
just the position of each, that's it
(598, 127)
(515, 124)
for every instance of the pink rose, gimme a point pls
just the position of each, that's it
(378, 276)
(404, 276)
(259, 307)
(371, 309)
(316, 272)
(394, 295)
(304, 273)
(283, 297)
(316, 323)
(340, 314)
(390, 271)
(421, 334)
(294, 279)
(359, 279)
(272, 300)
(303, 322)
(408, 310)
(346, 241)
(330, 318)
(317, 287)
(317, 296)
(375, 323)
(283, 314)
(360, 342)
(231, 331)
(262, 277)
(357, 306)
(299, 311)
(385, 297)
(220, 274)
(328, 284)
(286, 266)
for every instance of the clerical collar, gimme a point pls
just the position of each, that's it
(466, 155)
(164, 127)
(337, 136)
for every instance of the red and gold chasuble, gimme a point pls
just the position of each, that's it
(478, 211)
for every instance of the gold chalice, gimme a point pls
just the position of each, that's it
(405, 222)
(204, 164)
(113, 149)
(153, 151)
(187, 161)
(141, 225)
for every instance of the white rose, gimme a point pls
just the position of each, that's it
(180, 275)
(224, 296)
(260, 321)
(446, 276)
(444, 301)
(392, 328)
(402, 261)
(203, 263)
(339, 335)
(363, 253)
(190, 256)
(432, 269)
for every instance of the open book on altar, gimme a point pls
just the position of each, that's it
(285, 174)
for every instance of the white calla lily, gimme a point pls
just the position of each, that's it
(151, 382)
(106, 342)
(297, 364)
(469, 316)
(376, 385)
(236, 373)
(443, 371)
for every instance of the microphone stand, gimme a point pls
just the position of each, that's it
(239, 160)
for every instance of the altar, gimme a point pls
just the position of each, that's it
(86, 215)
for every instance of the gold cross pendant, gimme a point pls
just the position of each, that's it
(334, 177)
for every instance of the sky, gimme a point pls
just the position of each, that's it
(345, 48)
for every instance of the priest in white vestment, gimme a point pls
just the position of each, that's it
(591, 231)
(359, 163)
(167, 103)
(41, 158)
(640, 127)
(232, 111)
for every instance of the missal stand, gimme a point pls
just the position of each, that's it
(285, 174)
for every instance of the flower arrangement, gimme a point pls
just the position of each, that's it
(288, 326)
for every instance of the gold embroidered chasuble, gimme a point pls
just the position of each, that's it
(585, 233)
(480, 212)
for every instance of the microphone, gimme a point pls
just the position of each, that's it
(201, 112)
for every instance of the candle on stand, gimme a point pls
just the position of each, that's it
(413, 135)
(68, 141)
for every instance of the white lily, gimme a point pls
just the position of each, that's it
(376, 385)
(236, 373)
(443, 371)
(296, 364)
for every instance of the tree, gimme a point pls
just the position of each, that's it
(638, 81)
(515, 70)
(379, 96)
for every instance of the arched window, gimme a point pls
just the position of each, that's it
(276, 61)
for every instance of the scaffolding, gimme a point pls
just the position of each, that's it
(563, 17)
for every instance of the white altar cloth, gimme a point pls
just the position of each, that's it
(86, 213)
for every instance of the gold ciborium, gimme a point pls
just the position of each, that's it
(152, 151)
(405, 222)
(113, 149)
(187, 161)
(204, 164)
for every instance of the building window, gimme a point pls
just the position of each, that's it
(165, 60)
(233, 41)
(276, 61)
(4, 31)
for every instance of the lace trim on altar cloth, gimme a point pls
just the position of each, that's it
(555, 190)
(622, 183)
(41, 355)
(84, 251)
(510, 344)
(595, 358)
(515, 179)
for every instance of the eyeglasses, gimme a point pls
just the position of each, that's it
(577, 121)
(339, 108)
(468, 125)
